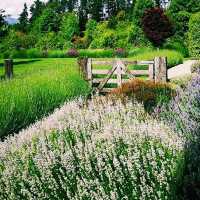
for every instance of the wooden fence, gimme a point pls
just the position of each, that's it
(157, 71)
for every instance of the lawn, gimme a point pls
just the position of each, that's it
(39, 86)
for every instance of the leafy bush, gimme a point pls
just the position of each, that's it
(106, 150)
(156, 26)
(147, 92)
(194, 35)
(37, 89)
(73, 53)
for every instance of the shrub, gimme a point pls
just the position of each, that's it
(196, 67)
(106, 150)
(147, 92)
(183, 114)
(194, 35)
(120, 52)
(73, 53)
(156, 26)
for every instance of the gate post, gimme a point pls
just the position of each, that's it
(8, 63)
(89, 71)
(82, 62)
(160, 67)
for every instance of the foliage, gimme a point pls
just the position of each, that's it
(156, 26)
(32, 95)
(90, 29)
(36, 10)
(106, 150)
(3, 25)
(69, 26)
(23, 19)
(49, 21)
(177, 44)
(96, 53)
(147, 92)
(194, 35)
(183, 114)
(191, 6)
(139, 9)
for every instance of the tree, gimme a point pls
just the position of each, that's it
(156, 26)
(36, 10)
(3, 24)
(23, 19)
(139, 9)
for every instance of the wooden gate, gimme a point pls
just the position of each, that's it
(119, 72)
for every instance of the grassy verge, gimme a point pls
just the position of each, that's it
(39, 86)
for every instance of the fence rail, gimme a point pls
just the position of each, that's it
(157, 71)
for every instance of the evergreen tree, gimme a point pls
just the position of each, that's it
(36, 10)
(3, 24)
(23, 19)
(96, 9)
(83, 14)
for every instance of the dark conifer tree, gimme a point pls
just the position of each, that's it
(36, 10)
(23, 19)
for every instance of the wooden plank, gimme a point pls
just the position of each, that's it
(107, 90)
(99, 62)
(119, 72)
(151, 72)
(160, 69)
(100, 71)
(133, 72)
(138, 62)
(98, 80)
(89, 71)
(139, 72)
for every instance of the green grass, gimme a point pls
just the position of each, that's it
(39, 86)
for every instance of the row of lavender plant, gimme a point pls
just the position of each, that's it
(183, 115)
(105, 150)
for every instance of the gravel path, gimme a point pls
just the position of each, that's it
(181, 70)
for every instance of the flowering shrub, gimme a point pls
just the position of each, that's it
(104, 150)
(72, 53)
(147, 92)
(183, 114)
(120, 52)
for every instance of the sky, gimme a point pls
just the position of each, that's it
(14, 7)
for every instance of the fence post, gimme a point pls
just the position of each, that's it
(89, 71)
(82, 62)
(8, 63)
(160, 64)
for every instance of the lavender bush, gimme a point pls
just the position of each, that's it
(104, 150)
(121, 52)
(183, 115)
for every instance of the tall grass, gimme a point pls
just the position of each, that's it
(37, 89)
(105, 150)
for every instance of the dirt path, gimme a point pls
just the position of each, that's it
(181, 70)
